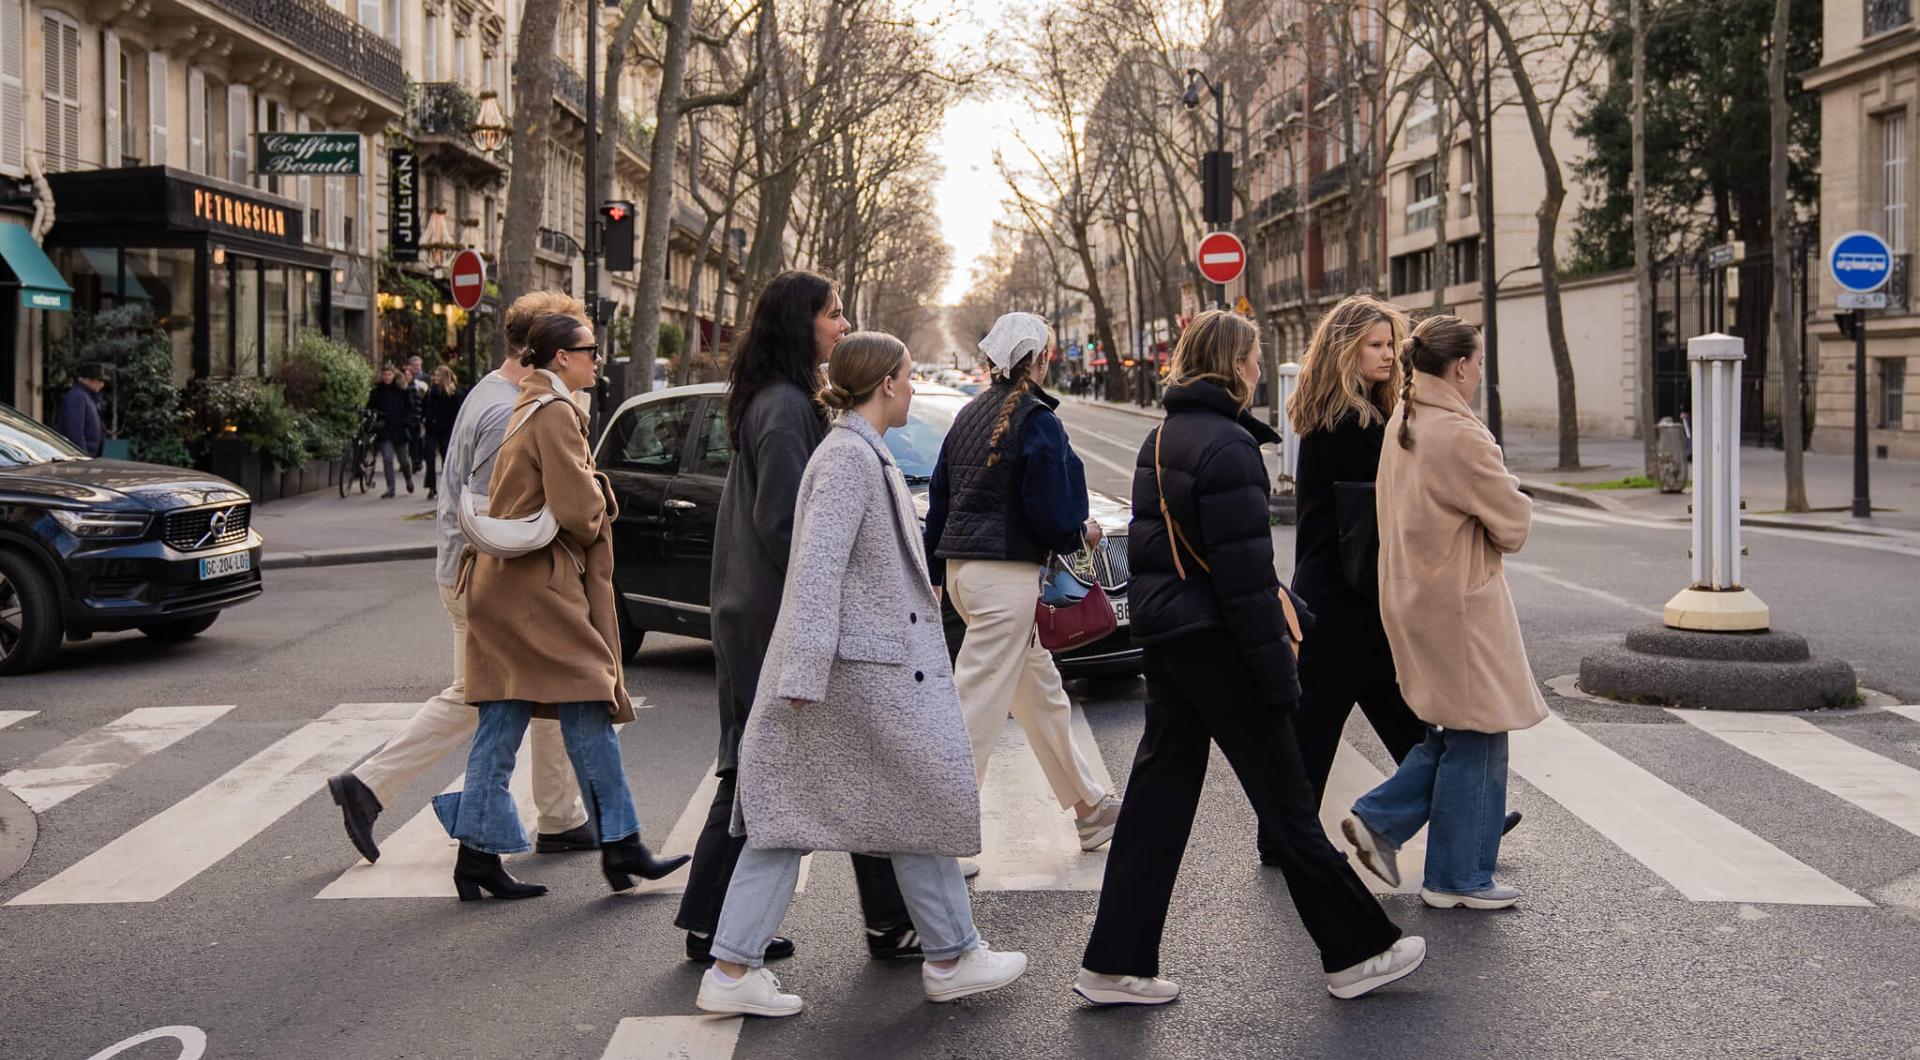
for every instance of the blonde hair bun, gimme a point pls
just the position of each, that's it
(861, 361)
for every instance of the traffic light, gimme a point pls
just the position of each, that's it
(616, 235)
(1216, 187)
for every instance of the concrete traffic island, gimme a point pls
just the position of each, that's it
(1716, 648)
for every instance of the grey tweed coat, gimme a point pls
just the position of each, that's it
(878, 760)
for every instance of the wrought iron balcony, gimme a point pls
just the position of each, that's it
(443, 108)
(1283, 292)
(554, 241)
(1885, 15)
(329, 36)
(1327, 183)
(569, 87)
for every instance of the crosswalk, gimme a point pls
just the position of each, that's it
(1700, 852)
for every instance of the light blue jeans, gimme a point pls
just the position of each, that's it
(1455, 783)
(762, 889)
(483, 815)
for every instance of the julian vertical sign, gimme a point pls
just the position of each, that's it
(403, 209)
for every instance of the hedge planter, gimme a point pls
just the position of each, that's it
(232, 460)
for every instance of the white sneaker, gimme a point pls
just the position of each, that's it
(755, 994)
(978, 971)
(1377, 971)
(1494, 897)
(1096, 828)
(969, 868)
(1380, 857)
(1125, 989)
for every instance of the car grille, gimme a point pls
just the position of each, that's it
(1107, 564)
(186, 531)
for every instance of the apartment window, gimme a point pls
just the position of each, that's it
(129, 126)
(1893, 392)
(1893, 180)
(1463, 260)
(1410, 273)
(460, 57)
(60, 89)
(1422, 202)
(432, 43)
(1886, 15)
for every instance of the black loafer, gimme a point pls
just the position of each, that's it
(700, 948)
(1513, 821)
(359, 807)
(581, 838)
(902, 941)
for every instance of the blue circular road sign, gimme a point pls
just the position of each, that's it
(1860, 262)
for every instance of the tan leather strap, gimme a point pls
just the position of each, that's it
(1175, 535)
(1293, 619)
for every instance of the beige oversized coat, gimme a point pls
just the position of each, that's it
(539, 628)
(1448, 510)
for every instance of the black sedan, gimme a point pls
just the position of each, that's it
(667, 455)
(90, 546)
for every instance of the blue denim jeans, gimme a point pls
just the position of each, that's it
(1455, 783)
(483, 815)
(762, 889)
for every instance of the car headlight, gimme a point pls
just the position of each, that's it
(94, 526)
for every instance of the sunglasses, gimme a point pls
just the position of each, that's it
(593, 349)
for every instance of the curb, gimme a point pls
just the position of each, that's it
(1559, 494)
(340, 557)
(19, 830)
(1154, 413)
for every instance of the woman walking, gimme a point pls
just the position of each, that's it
(441, 409)
(393, 403)
(542, 638)
(1215, 628)
(774, 421)
(1448, 511)
(855, 741)
(1007, 492)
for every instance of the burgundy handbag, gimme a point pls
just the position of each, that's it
(1082, 622)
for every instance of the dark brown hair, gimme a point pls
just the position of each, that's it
(1435, 344)
(779, 343)
(549, 335)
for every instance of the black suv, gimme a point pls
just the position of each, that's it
(667, 455)
(88, 546)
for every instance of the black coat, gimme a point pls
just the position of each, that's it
(440, 410)
(1216, 489)
(1347, 629)
(399, 413)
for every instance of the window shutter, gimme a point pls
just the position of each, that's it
(238, 107)
(196, 120)
(70, 91)
(157, 108)
(110, 95)
(13, 91)
(336, 211)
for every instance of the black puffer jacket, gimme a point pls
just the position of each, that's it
(1216, 489)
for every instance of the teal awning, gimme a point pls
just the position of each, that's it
(40, 284)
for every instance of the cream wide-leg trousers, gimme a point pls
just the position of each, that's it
(447, 721)
(1002, 667)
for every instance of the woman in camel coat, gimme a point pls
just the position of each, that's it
(1448, 512)
(542, 639)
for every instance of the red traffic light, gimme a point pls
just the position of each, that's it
(615, 211)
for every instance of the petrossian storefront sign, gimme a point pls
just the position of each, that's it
(232, 211)
(306, 153)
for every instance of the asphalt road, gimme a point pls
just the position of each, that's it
(1648, 848)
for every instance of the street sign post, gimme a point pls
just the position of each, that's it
(1860, 263)
(468, 278)
(1221, 257)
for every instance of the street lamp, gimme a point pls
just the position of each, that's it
(489, 129)
(1497, 284)
(438, 241)
(1216, 166)
(1191, 100)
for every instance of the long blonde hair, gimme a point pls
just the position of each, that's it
(1331, 386)
(1210, 348)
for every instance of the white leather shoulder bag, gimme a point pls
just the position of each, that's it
(506, 538)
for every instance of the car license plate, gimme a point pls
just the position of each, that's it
(1120, 612)
(221, 566)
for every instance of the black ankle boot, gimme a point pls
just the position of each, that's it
(476, 870)
(623, 859)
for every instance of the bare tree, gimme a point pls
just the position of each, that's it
(532, 128)
(1786, 334)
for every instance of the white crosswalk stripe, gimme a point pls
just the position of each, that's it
(100, 754)
(156, 857)
(675, 1038)
(8, 717)
(1879, 785)
(1352, 777)
(1027, 842)
(686, 832)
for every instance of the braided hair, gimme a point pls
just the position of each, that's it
(1022, 376)
(1435, 344)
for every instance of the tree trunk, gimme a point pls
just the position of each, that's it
(532, 123)
(1548, 218)
(1442, 166)
(1786, 331)
(1643, 247)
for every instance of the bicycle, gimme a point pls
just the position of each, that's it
(362, 452)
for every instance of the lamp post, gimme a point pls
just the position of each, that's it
(1216, 166)
(489, 129)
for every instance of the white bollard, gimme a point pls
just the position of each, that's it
(1716, 601)
(1289, 438)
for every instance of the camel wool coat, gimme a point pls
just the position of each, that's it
(877, 760)
(542, 627)
(1448, 512)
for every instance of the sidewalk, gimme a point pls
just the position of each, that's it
(1532, 454)
(324, 529)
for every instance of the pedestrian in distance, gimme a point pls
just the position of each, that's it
(447, 721)
(440, 411)
(1217, 632)
(79, 415)
(392, 400)
(1008, 492)
(1448, 511)
(417, 385)
(774, 421)
(856, 740)
(542, 635)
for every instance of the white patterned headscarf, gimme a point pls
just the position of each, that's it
(1013, 337)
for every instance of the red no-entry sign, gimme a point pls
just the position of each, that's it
(1221, 257)
(468, 279)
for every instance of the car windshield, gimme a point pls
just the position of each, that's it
(24, 442)
(916, 447)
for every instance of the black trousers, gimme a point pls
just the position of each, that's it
(716, 852)
(1200, 693)
(1328, 691)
